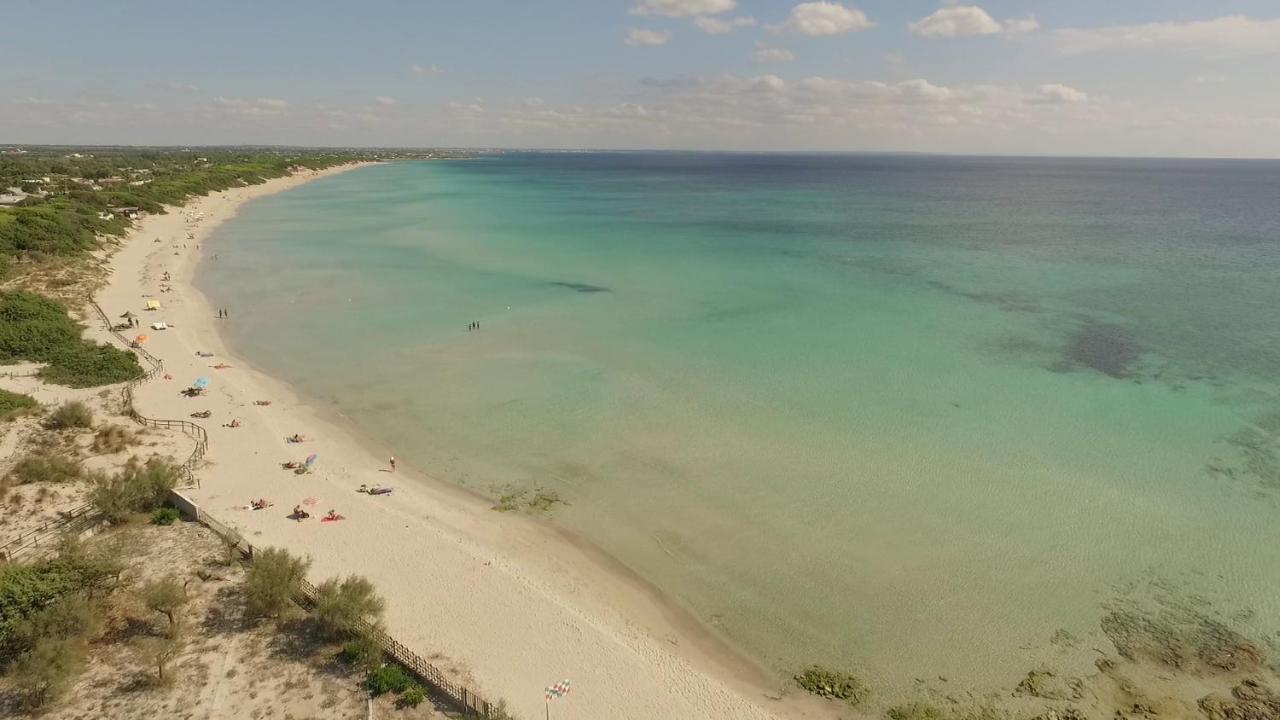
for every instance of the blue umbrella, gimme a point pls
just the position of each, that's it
(201, 383)
(311, 460)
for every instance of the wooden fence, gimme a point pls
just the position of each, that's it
(79, 518)
(462, 697)
(198, 433)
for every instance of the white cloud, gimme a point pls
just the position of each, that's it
(920, 90)
(474, 106)
(1233, 35)
(683, 8)
(1019, 27)
(765, 54)
(1209, 78)
(181, 87)
(638, 37)
(426, 69)
(1057, 93)
(967, 21)
(825, 18)
(716, 26)
(260, 106)
(956, 21)
(385, 101)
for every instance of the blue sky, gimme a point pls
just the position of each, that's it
(1099, 77)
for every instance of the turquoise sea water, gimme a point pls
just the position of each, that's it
(903, 414)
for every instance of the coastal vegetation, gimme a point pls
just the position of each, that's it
(45, 466)
(139, 487)
(38, 329)
(12, 404)
(71, 415)
(71, 198)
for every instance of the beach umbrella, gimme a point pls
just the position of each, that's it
(128, 315)
(201, 383)
(311, 501)
(141, 339)
(311, 460)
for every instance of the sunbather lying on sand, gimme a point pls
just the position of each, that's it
(202, 414)
(262, 402)
(333, 516)
(232, 424)
(220, 366)
(299, 514)
(261, 503)
(290, 465)
(295, 438)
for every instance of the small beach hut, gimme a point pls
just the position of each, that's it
(153, 304)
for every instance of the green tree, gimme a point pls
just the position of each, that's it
(167, 597)
(138, 487)
(345, 608)
(45, 672)
(272, 582)
(159, 652)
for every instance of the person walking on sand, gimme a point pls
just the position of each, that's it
(393, 463)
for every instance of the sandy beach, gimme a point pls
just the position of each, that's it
(508, 602)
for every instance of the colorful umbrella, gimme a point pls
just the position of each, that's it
(201, 383)
(311, 501)
(311, 460)
(141, 339)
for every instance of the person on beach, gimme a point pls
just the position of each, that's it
(393, 463)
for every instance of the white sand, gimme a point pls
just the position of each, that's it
(510, 602)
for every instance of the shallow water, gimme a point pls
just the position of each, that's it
(909, 415)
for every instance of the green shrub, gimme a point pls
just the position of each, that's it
(389, 678)
(13, 404)
(412, 697)
(74, 414)
(30, 594)
(137, 488)
(273, 581)
(832, 684)
(164, 516)
(45, 672)
(343, 608)
(38, 329)
(111, 439)
(45, 467)
(361, 651)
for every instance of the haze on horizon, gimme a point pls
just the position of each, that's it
(1140, 78)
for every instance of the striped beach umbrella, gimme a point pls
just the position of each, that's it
(557, 690)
